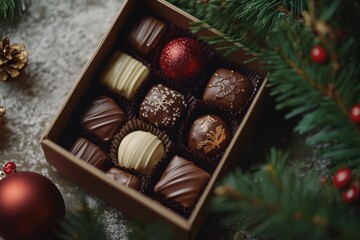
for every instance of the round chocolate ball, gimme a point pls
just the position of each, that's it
(182, 59)
(209, 135)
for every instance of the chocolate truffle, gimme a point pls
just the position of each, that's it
(123, 177)
(228, 88)
(140, 150)
(182, 182)
(146, 34)
(209, 135)
(163, 107)
(89, 152)
(103, 118)
(124, 74)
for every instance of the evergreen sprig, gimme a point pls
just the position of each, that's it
(322, 94)
(246, 22)
(82, 224)
(154, 231)
(12, 8)
(274, 195)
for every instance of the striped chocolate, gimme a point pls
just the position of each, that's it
(103, 118)
(182, 182)
(146, 34)
(89, 152)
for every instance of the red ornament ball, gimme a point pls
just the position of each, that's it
(351, 194)
(182, 59)
(319, 54)
(342, 177)
(9, 168)
(31, 207)
(355, 114)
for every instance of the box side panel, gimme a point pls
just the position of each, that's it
(127, 200)
(231, 157)
(246, 130)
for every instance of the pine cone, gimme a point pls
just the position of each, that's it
(2, 113)
(13, 58)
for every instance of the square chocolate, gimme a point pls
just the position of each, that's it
(182, 182)
(102, 118)
(163, 107)
(89, 152)
(146, 34)
(124, 178)
(229, 89)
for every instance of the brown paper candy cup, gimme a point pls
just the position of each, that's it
(203, 109)
(135, 125)
(229, 88)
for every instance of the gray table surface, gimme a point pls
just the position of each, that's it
(60, 36)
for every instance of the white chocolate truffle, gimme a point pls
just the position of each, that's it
(124, 74)
(140, 150)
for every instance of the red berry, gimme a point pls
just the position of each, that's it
(351, 194)
(342, 177)
(9, 168)
(318, 54)
(355, 114)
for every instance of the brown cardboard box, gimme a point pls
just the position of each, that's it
(127, 200)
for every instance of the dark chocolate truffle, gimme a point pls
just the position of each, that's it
(103, 118)
(123, 177)
(89, 152)
(209, 135)
(146, 34)
(182, 182)
(229, 89)
(163, 107)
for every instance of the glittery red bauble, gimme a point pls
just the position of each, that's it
(355, 114)
(30, 207)
(182, 59)
(342, 177)
(319, 54)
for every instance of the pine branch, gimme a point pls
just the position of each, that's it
(349, 18)
(83, 224)
(274, 196)
(246, 22)
(10, 9)
(154, 231)
(321, 94)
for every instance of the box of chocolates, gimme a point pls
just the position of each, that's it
(156, 116)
